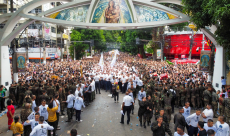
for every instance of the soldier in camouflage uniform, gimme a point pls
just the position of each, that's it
(44, 96)
(177, 103)
(12, 90)
(227, 109)
(24, 115)
(167, 105)
(214, 103)
(197, 96)
(188, 93)
(201, 88)
(193, 96)
(183, 94)
(50, 91)
(61, 98)
(156, 102)
(22, 91)
(149, 112)
(207, 96)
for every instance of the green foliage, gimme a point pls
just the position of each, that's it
(79, 47)
(211, 12)
(127, 38)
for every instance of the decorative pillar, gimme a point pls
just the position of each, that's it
(219, 67)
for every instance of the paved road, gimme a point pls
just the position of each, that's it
(101, 118)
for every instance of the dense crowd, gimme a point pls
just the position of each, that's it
(44, 91)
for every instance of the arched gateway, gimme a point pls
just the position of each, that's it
(89, 14)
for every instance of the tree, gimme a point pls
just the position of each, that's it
(79, 46)
(211, 12)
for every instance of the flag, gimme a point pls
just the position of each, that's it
(101, 62)
(114, 58)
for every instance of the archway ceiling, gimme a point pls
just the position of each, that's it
(7, 33)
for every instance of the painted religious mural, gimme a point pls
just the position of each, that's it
(149, 14)
(112, 11)
(77, 14)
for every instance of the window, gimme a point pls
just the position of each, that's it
(53, 29)
(53, 43)
(2, 26)
(35, 26)
(36, 10)
(3, 10)
(13, 10)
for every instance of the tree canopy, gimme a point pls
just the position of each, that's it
(211, 12)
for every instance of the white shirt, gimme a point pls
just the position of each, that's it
(128, 100)
(187, 112)
(96, 78)
(31, 116)
(77, 92)
(78, 103)
(193, 119)
(33, 105)
(222, 129)
(141, 95)
(209, 114)
(69, 100)
(43, 111)
(41, 130)
(176, 134)
(206, 127)
(54, 105)
(33, 123)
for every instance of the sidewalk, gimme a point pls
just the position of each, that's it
(4, 123)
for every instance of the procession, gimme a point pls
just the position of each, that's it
(46, 92)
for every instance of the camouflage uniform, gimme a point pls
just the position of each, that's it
(23, 115)
(61, 98)
(168, 109)
(214, 103)
(207, 97)
(21, 95)
(227, 110)
(12, 90)
(157, 107)
(183, 94)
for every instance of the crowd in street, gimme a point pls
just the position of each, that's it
(46, 91)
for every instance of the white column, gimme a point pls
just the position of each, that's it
(219, 67)
(15, 77)
(5, 71)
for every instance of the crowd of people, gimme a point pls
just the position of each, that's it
(44, 91)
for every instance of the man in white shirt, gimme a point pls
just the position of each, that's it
(126, 106)
(78, 90)
(43, 110)
(187, 111)
(207, 113)
(34, 122)
(222, 127)
(41, 129)
(32, 115)
(78, 105)
(180, 131)
(33, 102)
(141, 94)
(192, 122)
(209, 125)
(69, 102)
(97, 83)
